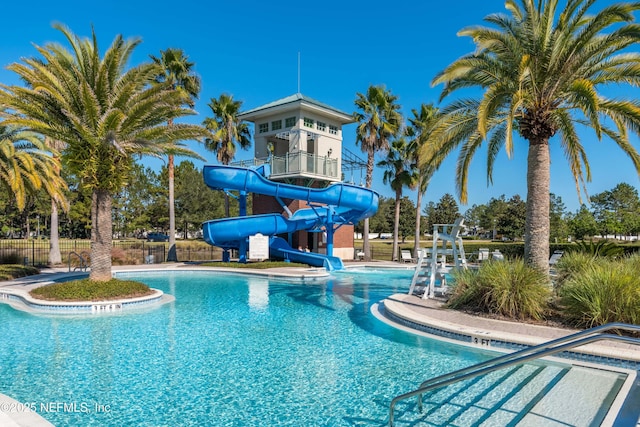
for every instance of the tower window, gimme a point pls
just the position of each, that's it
(308, 122)
(290, 122)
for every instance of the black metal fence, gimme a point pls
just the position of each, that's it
(36, 252)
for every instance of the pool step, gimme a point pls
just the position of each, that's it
(588, 393)
(527, 395)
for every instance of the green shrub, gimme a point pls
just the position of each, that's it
(466, 290)
(602, 293)
(572, 263)
(88, 290)
(600, 248)
(634, 260)
(510, 250)
(10, 258)
(9, 272)
(120, 256)
(508, 288)
(631, 248)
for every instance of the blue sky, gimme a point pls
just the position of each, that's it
(250, 49)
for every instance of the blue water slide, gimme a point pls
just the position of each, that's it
(362, 201)
(337, 204)
(279, 248)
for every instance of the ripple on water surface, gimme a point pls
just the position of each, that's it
(231, 350)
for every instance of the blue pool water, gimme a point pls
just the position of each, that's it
(231, 350)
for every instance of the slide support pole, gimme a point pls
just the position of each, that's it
(242, 249)
(243, 203)
(329, 227)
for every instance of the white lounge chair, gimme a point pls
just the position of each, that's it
(406, 255)
(497, 255)
(555, 257)
(483, 254)
(423, 252)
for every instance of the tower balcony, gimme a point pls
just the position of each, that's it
(298, 164)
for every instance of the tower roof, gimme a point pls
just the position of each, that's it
(293, 101)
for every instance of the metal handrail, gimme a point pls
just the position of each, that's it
(83, 262)
(536, 352)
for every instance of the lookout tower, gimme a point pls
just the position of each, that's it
(301, 139)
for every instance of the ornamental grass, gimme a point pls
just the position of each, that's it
(507, 288)
(603, 292)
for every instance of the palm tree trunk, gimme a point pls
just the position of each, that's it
(396, 223)
(55, 257)
(54, 240)
(536, 239)
(101, 235)
(28, 225)
(172, 255)
(366, 248)
(416, 242)
(226, 253)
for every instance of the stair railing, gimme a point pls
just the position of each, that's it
(530, 353)
(83, 265)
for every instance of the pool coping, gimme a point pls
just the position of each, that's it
(16, 292)
(292, 273)
(21, 300)
(17, 414)
(430, 317)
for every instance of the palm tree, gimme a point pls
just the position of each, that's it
(227, 131)
(104, 112)
(178, 72)
(399, 173)
(420, 128)
(540, 70)
(378, 121)
(26, 165)
(55, 257)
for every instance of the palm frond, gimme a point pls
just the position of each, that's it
(540, 69)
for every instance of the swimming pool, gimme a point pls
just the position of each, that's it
(231, 350)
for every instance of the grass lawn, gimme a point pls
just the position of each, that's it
(381, 248)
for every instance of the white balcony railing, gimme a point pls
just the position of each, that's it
(298, 164)
(303, 163)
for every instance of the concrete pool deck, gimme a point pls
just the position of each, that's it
(405, 310)
(401, 310)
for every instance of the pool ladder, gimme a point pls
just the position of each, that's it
(531, 353)
(82, 258)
